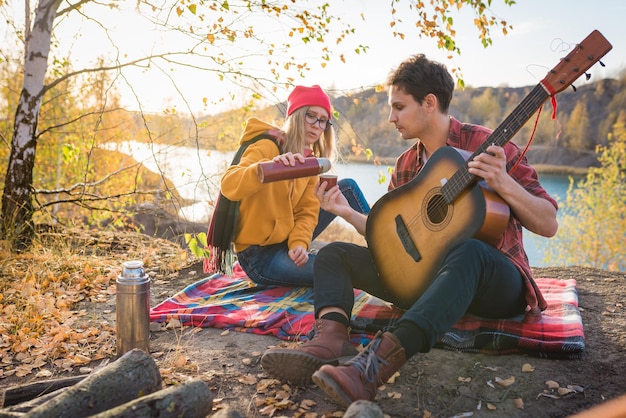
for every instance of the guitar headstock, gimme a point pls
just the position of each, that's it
(579, 60)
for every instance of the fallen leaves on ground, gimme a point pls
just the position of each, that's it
(43, 329)
(505, 382)
(556, 391)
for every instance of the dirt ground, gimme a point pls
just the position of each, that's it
(439, 384)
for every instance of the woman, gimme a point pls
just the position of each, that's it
(277, 221)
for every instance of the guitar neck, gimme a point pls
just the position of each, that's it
(500, 136)
(514, 122)
(581, 58)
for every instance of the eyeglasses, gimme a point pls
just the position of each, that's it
(312, 119)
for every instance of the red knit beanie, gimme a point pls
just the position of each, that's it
(308, 96)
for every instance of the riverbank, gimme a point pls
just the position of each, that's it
(559, 170)
(550, 169)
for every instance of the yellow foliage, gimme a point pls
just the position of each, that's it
(593, 228)
(42, 322)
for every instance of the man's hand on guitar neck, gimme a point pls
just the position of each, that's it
(491, 167)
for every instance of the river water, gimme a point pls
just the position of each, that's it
(196, 174)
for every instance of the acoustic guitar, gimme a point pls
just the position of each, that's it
(410, 229)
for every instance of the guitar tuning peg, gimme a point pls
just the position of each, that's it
(587, 76)
(602, 64)
(574, 88)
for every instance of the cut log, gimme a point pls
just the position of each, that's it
(28, 405)
(227, 413)
(22, 393)
(132, 375)
(191, 399)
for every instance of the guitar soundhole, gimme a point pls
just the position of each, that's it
(436, 210)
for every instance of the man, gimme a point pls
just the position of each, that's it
(474, 277)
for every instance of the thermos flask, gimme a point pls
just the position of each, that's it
(132, 310)
(275, 171)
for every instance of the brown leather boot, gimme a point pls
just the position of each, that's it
(330, 345)
(359, 378)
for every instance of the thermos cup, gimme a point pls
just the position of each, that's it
(330, 179)
(132, 309)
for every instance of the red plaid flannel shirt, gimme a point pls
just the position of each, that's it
(470, 137)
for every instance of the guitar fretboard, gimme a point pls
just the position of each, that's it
(500, 136)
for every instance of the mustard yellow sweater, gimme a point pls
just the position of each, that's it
(269, 213)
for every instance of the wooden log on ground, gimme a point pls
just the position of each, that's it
(191, 399)
(133, 375)
(227, 413)
(30, 404)
(21, 393)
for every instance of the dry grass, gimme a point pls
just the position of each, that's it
(41, 330)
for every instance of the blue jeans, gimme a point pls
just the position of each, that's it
(271, 265)
(475, 277)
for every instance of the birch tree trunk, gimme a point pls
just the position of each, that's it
(17, 205)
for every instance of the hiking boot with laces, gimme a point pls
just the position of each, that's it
(330, 345)
(360, 377)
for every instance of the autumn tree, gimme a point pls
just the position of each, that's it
(593, 227)
(577, 130)
(218, 37)
(67, 158)
(485, 109)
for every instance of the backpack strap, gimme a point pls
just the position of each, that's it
(246, 144)
(224, 221)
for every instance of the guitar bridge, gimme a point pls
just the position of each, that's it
(405, 238)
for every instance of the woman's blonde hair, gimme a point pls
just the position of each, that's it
(295, 131)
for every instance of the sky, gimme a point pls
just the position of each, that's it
(543, 32)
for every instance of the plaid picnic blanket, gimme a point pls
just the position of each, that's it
(237, 303)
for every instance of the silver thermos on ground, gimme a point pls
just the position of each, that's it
(132, 310)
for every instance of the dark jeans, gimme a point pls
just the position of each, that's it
(474, 277)
(271, 265)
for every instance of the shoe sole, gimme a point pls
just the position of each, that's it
(332, 389)
(292, 366)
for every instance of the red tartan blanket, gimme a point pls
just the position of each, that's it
(237, 303)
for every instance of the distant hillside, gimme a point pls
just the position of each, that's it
(584, 119)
